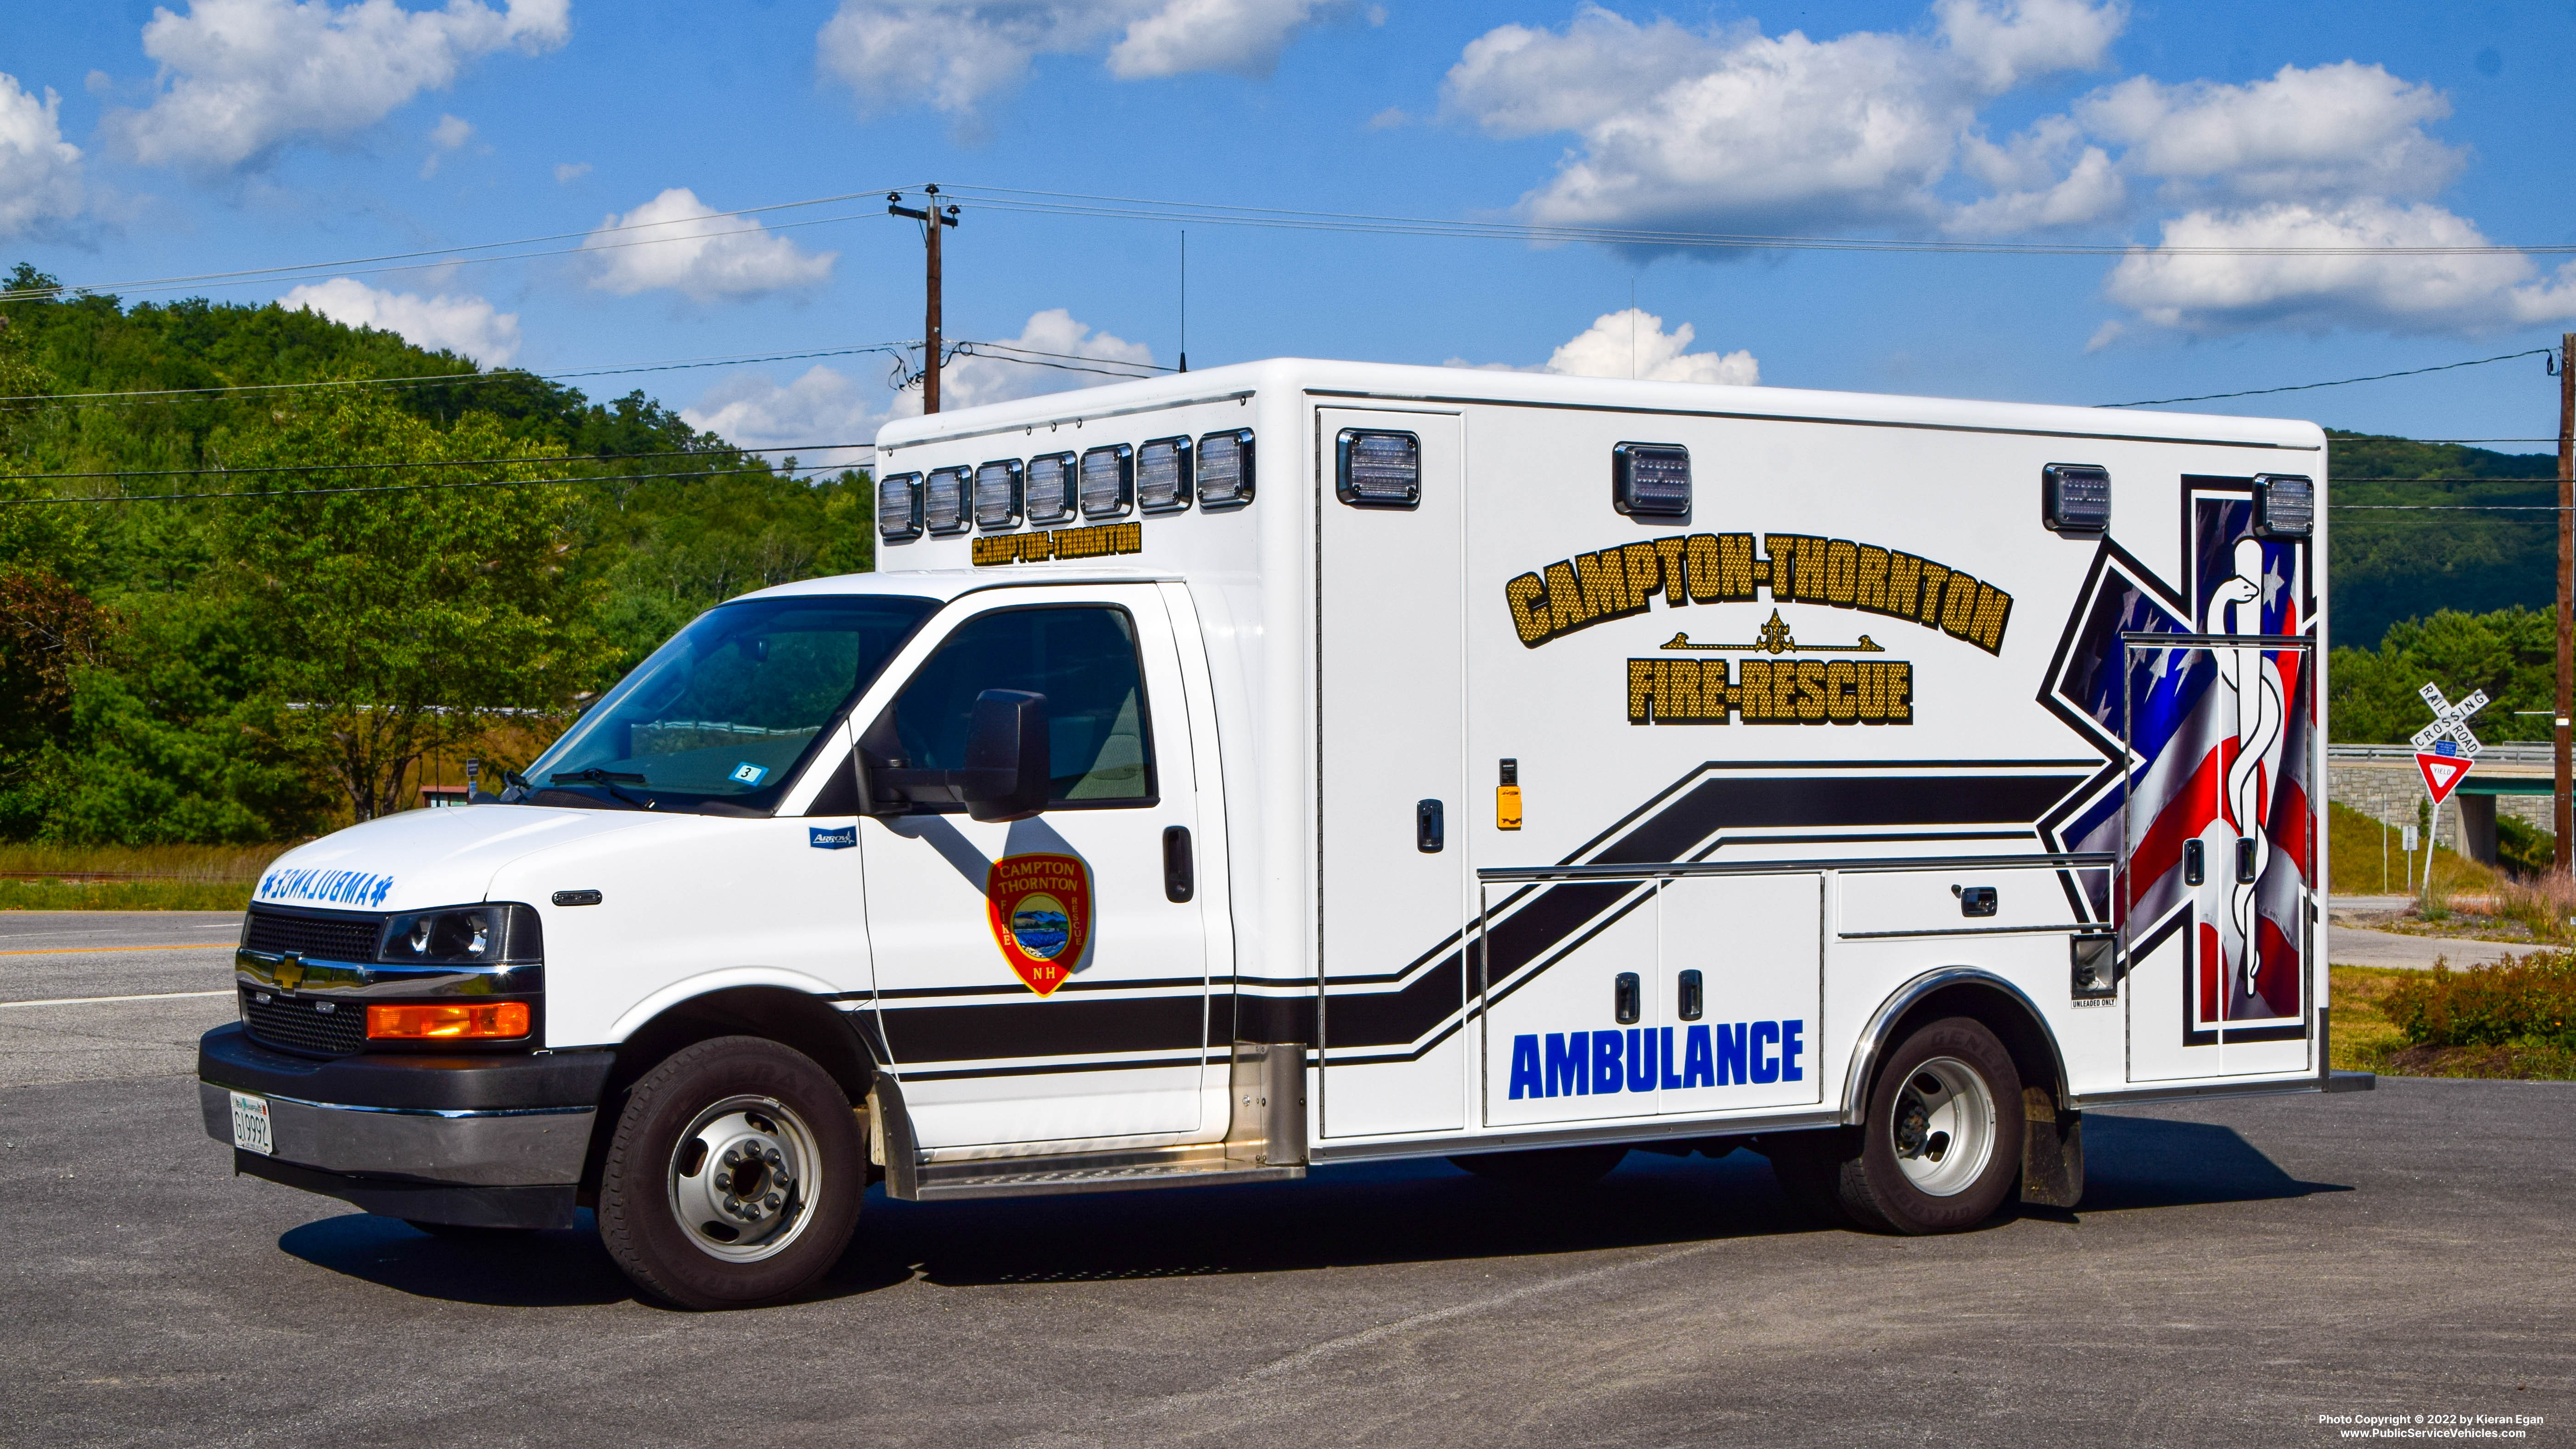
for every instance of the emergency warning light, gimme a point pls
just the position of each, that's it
(899, 507)
(997, 494)
(1378, 469)
(1225, 469)
(943, 500)
(2075, 498)
(1163, 475)
(2285, 506)
(1650, 480)
(1048, 487)
(1108, 481)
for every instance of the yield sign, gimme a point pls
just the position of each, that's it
(2442, 773)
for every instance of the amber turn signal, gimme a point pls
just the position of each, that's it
(447, 1022)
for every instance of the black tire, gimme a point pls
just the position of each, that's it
(798, 1216)
(1894, 1173)
(1557, 1167)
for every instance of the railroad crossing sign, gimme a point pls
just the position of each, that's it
(2446, 748)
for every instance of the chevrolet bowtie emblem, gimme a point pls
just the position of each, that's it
(290, 973)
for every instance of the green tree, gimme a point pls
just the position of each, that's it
(2511, 654)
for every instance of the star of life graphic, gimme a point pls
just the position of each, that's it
(2209, 804)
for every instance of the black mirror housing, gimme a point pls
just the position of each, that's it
(1007, 775)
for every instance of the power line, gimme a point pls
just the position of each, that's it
(2338, 382)
(432, 463)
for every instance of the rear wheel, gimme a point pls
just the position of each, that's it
(735, 1175)
(1544, 1166)
(1941, 1144)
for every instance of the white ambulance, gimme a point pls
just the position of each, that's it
(1308, 762)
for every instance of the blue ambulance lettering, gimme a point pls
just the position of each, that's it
(1641, 1058)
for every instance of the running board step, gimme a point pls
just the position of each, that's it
(1046, 1176)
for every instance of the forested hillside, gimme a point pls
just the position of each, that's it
(269, 661)
(2391, 566)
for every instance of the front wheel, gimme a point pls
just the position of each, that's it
(735, 1175)
(1941, 1144)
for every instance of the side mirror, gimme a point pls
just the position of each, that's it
(1007, 774)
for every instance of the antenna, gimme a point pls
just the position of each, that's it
(1185, 299)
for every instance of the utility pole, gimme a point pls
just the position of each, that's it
(932, 218)
(2566, 588)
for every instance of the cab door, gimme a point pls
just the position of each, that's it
(1044, 980)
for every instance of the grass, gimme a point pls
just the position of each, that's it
(2353, 846)
(2367, 1039)
(131, 878)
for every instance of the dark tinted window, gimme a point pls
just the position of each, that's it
(1083, 660)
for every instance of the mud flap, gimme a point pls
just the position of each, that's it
(2052, 1151)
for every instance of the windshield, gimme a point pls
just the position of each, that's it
(729, 708)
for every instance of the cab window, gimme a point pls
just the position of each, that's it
(1100, 745)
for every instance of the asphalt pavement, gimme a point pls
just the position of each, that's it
(2237, 1269)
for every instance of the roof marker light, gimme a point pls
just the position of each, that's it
(1651, 480)
(1108, 481)
(943, 500)
(2285, 506)
(1225, 469)
(1049, 488)
(997, 495)
(899, 507)
(2075, 499)
(1163, 475)
(1378, 469)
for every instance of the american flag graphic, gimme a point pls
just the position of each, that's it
(2219, 748)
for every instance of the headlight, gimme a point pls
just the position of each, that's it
(485, 935)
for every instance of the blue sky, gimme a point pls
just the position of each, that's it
(138, 142)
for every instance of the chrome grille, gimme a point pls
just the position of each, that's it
(299, 1024)
(326, 937)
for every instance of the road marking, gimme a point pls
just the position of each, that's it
(94, 1000)
(92, 950)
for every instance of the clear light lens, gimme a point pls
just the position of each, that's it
(1380, 470)
(2285, 506)
(997, 494)
(943, 500)
(2075, 498)
(447, 1022)
(1050, 488)
(899, 507)
(1108, 481)
(1225, 469)
(457, 936)
(1163, 475)
(1651, 479)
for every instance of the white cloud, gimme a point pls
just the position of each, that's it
(1738, 129)
(2331, 131)
(450, 133)
(2315, 293)
(967, 51)
(971, 381)
(568, 172)
(1632, 343)
(699, 252)
(40, 172)
(466, 325)
(2044, 178)
(241, 77)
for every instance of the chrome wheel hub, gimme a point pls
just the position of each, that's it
(742, 1177)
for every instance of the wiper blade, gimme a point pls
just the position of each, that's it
(596, 776)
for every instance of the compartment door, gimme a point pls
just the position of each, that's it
(2217, 857)
(1390, 680)
(1754, 1036)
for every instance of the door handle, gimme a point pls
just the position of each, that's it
(1429, 834)
(1180, 880)
(2195, 861)
(1691, 1003)
(1624, 1002)
(2244, 858)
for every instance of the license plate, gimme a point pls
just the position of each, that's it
(250, 1125)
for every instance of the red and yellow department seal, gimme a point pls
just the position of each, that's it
(1040, 906)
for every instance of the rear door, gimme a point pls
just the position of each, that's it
(1391, 695)
(1037, 981)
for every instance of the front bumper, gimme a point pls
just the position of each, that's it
(494, 1141)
